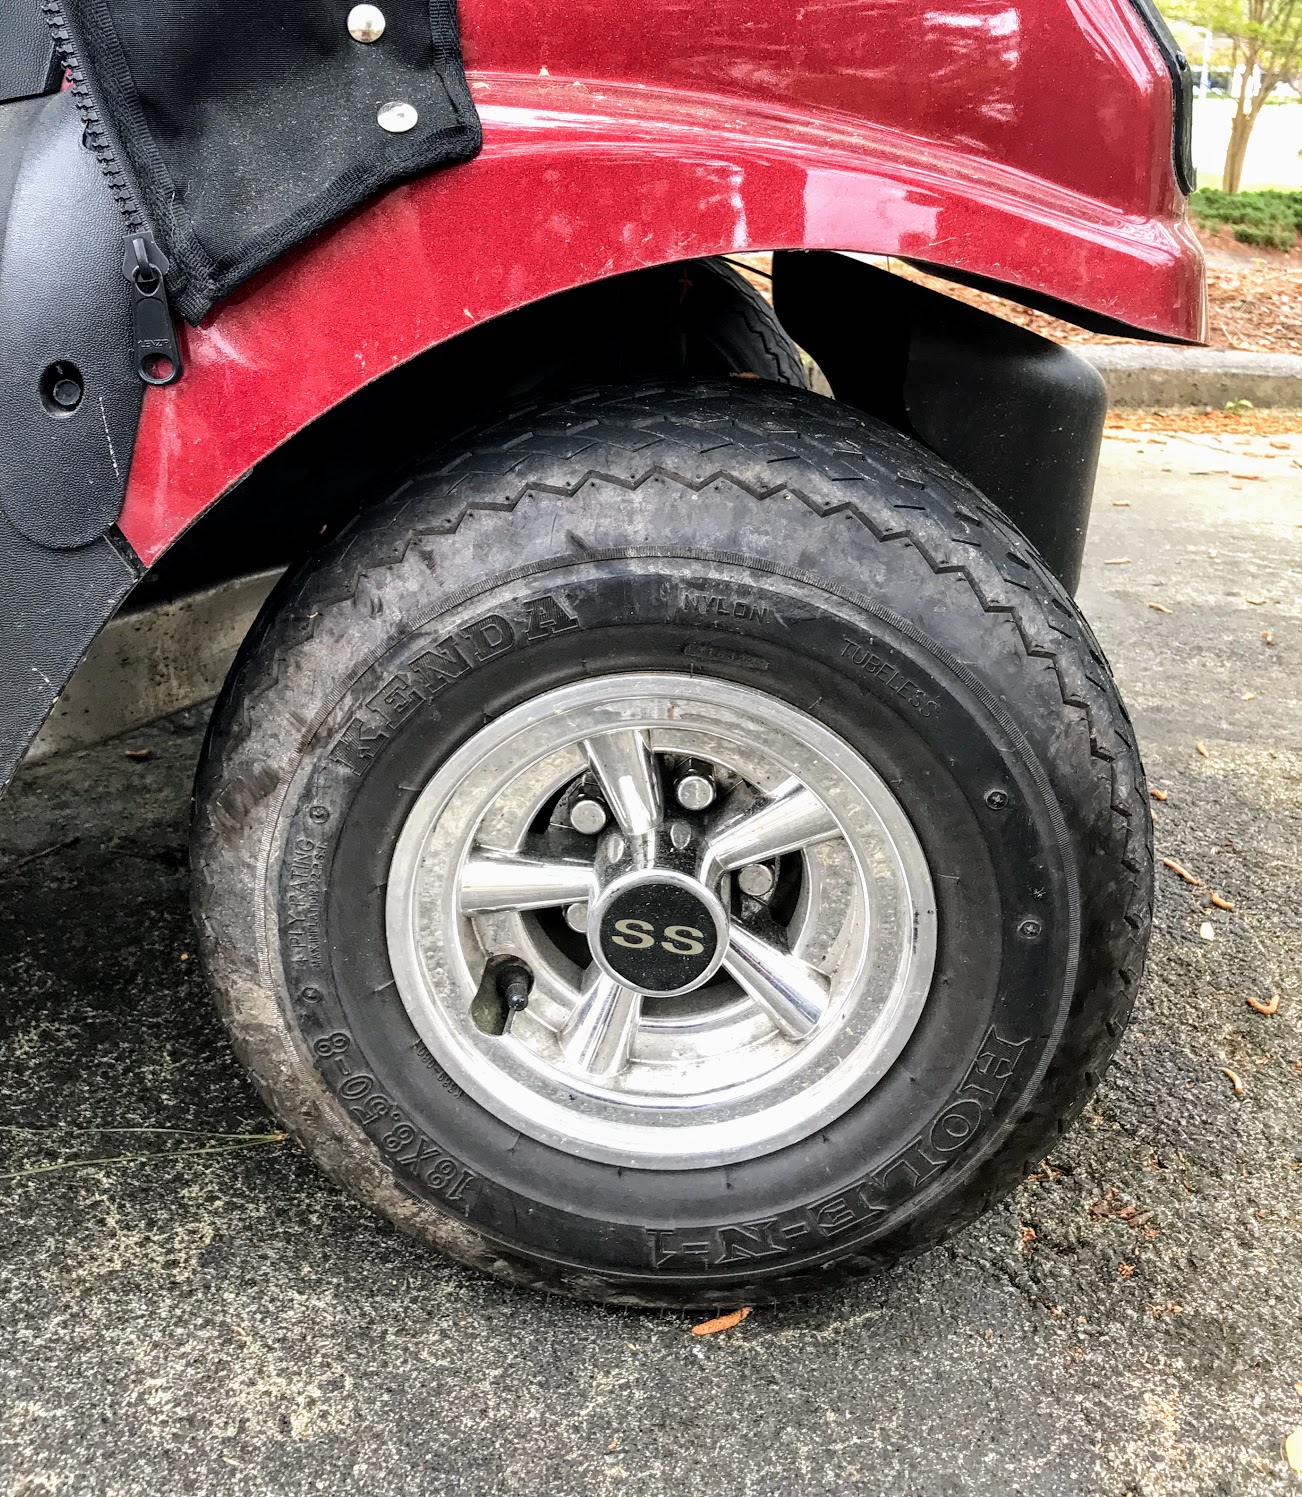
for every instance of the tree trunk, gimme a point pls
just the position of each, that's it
(1237, 150)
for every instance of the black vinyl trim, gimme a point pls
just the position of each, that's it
(1177, 64)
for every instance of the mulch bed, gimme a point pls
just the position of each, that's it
(1251, 423)
(1254, 301)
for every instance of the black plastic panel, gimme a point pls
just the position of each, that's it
(65, 327)
(27, 63)
(52, 605)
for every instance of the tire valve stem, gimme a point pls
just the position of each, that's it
(514, 983)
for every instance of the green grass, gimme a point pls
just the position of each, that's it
(1271, 219)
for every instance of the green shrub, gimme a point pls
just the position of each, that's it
(1272, 236)
(1260, 218)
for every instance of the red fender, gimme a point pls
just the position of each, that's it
(1026, 141)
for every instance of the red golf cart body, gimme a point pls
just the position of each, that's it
(1038, 148)
(1025, 142)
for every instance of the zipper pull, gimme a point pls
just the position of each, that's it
(157, 353)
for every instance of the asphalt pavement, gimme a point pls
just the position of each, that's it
(187, 1307)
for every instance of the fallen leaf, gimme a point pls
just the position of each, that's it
(1158, 794)
(1206, 931)
(1117, 561)
(1220, 901)
(1293, 1450)
(1297, 1388)
(1189, 878)
(1202, 749)
(1235, 1082)
(1256, 602)
(721, 1323)
(140, 753)
(1160, 608)
(1248, 696)
(1267, 1006)
(1110, 1203)
(1267, 637)
(1251, 477)
(1121, 504)
(1125, 1269)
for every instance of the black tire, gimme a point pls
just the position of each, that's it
(853, 575)
(731, 329)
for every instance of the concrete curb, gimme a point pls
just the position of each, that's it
(1201, 377)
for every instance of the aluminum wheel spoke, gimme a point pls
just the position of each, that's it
(791, 817)
(598, 1034)
(622, 762)
(510, 881)
(791, 992)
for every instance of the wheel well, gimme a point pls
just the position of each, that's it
(694, 318)
(1019, 416)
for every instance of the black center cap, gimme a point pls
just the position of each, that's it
(659, 937)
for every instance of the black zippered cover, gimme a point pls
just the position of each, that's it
(242, 126)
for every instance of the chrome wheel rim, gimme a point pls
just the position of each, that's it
(808, 993)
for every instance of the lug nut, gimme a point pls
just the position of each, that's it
(576, 915)
(694, 792)
(756, 879)
(587, 816)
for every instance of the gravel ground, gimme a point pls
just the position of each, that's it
(183, 1312)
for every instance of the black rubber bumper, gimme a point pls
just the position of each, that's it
(1019, 416)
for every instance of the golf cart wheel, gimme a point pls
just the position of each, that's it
(682, 849)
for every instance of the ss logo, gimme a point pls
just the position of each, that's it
(637, 935)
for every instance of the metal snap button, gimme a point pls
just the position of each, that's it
(397, 118)
(366, 23)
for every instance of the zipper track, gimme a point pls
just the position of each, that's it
(97, 136)
(155, 350)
